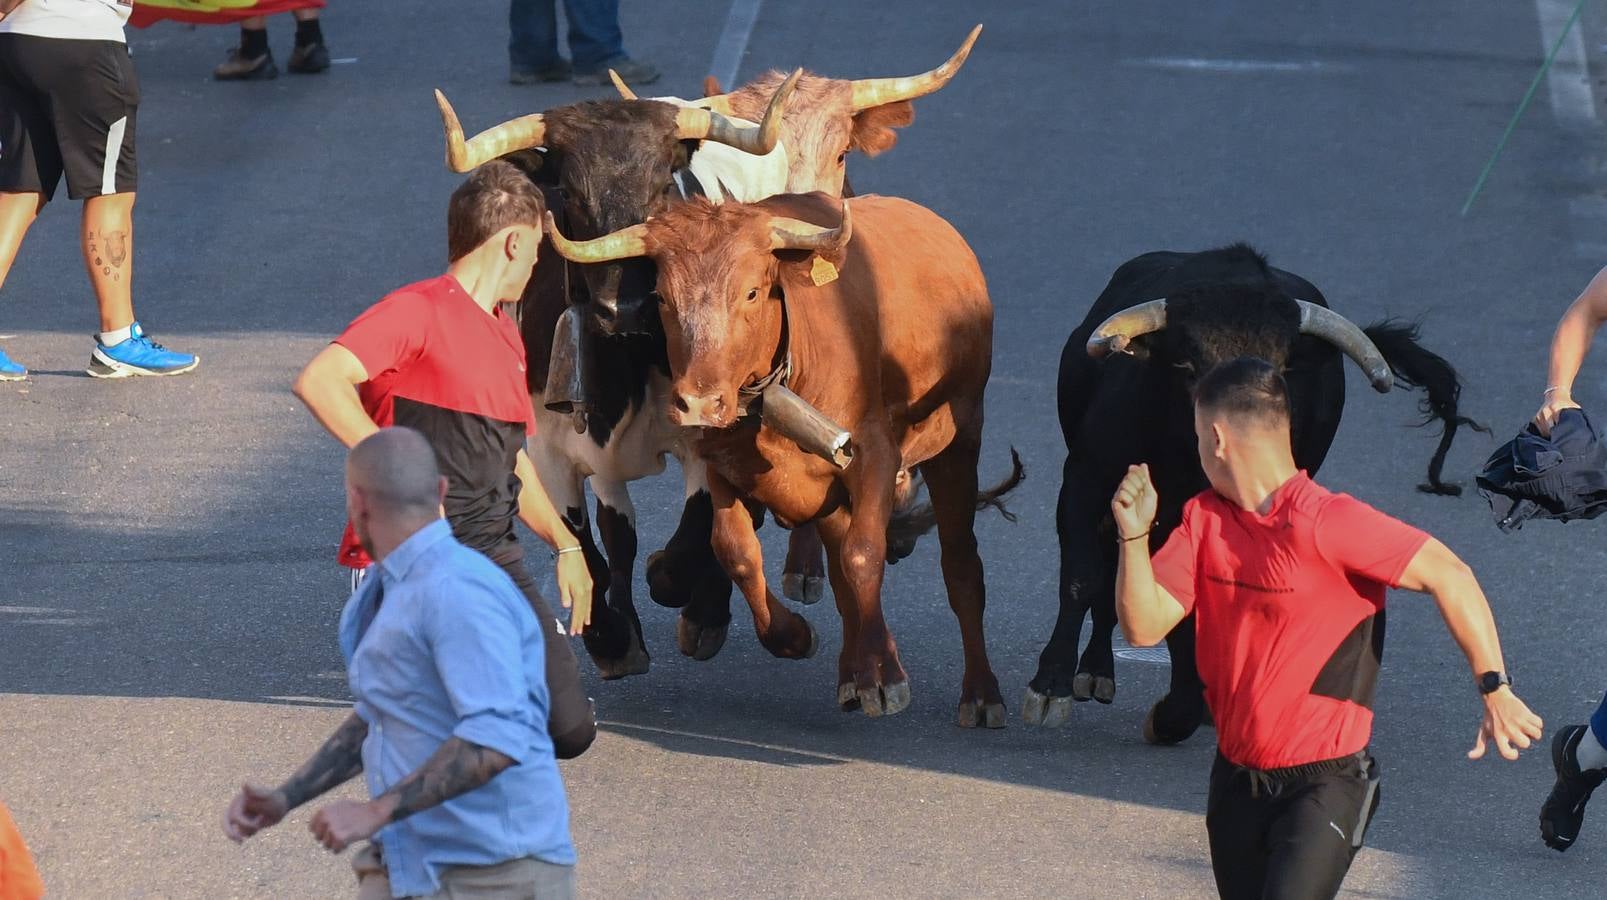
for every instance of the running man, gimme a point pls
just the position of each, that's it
(68, 98)
(442, 358)
(1287, 582)
(1578, 752)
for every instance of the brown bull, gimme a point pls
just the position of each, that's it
(884, 324)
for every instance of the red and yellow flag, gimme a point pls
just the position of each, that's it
(211, 12)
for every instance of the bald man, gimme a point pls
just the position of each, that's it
(446, 660)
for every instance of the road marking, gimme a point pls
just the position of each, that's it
(1568, 81)
(1157, 655)
(1197, 64)
(733, 42)
(757, 745)
(343, 61)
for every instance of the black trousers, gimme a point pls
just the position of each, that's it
(572, 720)
(1288, 833)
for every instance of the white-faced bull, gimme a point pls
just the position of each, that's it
(1163, 321)
(884, 324)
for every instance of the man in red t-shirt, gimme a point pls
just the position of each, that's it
(440, 357)
(1287, 582)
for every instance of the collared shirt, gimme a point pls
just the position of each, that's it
(1289, 617)
(438, 644)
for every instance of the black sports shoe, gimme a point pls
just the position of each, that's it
(240, 67)
(1564, 810)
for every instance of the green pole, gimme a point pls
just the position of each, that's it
(1522, 105)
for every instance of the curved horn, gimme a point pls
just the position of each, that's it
(870, 92)
(696, 123)
(1322, 322)
(796, 234)
(622, 244)
(1115, 333)
(625, 93)
(516, 134)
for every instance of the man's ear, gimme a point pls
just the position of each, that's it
(510, 244)
(440, 490)
(1218, 441)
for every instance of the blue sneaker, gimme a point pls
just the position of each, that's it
(139, 355)
(10, 370)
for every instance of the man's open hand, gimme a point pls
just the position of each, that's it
(574, 589)
(1508, 723)
(1134, 504)
(1555, 402)
(252, 810)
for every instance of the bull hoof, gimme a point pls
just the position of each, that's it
(1163, 732)
(1088, 686)
(1044, 710)
(977, 712)
(784, 641)
(847, 699)
(701, 642)
(663, 587)
(634, 662)
(884, 699)
(805, 589)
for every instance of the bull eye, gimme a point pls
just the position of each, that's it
(842, 158)
(753, 294)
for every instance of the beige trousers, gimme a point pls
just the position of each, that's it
(517, 879)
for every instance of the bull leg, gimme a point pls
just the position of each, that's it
(783, 632)
(803, 575)
(870, 674)
(616, 523)
(951, 482)
(1087, 573)
(686, 574)
(1176, 716)
(608, 638)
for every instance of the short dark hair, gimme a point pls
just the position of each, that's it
(1246, 388)
(495, 196)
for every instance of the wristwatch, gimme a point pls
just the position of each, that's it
(1490, 682)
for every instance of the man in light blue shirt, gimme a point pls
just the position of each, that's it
(445, 659)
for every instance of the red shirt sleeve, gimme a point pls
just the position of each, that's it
(390, 334)
(1174, 563)
(1365, 542)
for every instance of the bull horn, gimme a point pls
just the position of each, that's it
(517, 134)
(622, 244)
(695, 123)
(796, 234)
(1322, 322)
(1115, 333)
(870, 92)
(625, 93)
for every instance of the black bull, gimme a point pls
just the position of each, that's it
(1221, 304)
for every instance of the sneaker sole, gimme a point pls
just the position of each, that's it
(102, 366)
(13, 376)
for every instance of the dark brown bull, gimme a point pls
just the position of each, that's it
(885, 326)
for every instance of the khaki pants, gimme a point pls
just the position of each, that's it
(517, 879)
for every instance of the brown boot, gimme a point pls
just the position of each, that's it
(240, 67)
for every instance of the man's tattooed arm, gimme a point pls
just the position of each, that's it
(338, 760)
(456, 768)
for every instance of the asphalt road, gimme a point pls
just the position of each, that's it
(167, 588)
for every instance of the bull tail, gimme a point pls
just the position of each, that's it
(1416, 367)
(907, 525)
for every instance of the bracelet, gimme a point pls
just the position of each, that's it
(1129, 540)
(1555, 387)
(560, 552)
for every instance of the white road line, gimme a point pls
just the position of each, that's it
(1572, 100)
(1196, 64)
(773, 748)
(733, 43)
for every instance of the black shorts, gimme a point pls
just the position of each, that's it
(66, 107)
(1291, 833)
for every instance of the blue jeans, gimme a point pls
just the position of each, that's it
(594, 36)
(1598, 723)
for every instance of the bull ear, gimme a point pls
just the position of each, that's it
(711, 86)
(873, 128)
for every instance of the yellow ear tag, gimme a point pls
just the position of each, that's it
(822, 272)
